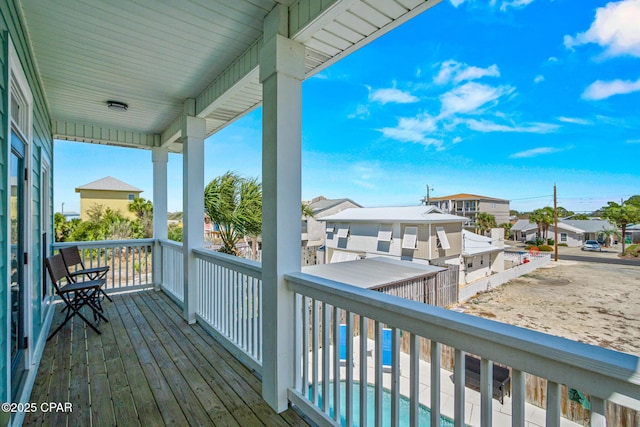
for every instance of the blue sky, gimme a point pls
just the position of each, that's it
(501, 98)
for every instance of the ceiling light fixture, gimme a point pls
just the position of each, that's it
(117, 105)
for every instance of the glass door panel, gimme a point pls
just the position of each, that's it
(17, 283)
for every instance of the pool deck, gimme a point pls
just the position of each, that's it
(534, 416)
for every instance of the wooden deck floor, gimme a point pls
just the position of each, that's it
(148, 368)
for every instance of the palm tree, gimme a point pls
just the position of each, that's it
(485, 222)
(622, 215)
(307, 211)
(235, 204)
(543, 218)
(507, 229)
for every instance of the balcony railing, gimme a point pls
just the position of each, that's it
(172, 269)
(322, 305)
(130, 261)
(333, 318)
(230, 303)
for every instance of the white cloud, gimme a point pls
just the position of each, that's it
(385, 96)
(362, 111)
(489, 126)
(413, 130)
(616, 28)
(538, 79)
(320, 76)
(534, 152)
(552, 59)
(456, 3)
(632, 141)
(601, 90)
(574, 120)
(456, 72)
(470, 97)
(457, 140)
(514, 3)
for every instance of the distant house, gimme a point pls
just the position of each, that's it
(109, 192)
(470, 205)
(422, 234)
(570, 232)
(313, 229)
(632, 233)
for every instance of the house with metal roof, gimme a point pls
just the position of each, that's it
(570, 232)
(108, 192)
(470, 205)
(420, 234)
(313, 229)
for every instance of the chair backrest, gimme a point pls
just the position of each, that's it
(57, 269)
(71, 256)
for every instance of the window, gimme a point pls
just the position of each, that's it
(481, 259)
(563, 237)
(385, 233)
(410, 238)
(343, 232)
(493, 205)
(131, 197)
(442, 241)
(470, 264)
(330, 229)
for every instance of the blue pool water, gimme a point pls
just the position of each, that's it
(424, 414)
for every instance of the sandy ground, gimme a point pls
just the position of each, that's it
(589, 302)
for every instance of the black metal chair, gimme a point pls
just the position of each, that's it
(75, 295)
(75, 267)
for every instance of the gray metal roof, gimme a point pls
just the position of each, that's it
(109, 183)
(590, 225)
(320, 204)
(395, 214)
(372, 273)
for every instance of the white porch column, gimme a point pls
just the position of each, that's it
(159, 156)
(193, 132)
(281, 74)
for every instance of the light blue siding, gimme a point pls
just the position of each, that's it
(41, 146)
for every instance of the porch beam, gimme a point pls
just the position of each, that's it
(281, 75)
(193, 134)
(96, 134)
(159, 157)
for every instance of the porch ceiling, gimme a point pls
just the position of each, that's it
(155, 55)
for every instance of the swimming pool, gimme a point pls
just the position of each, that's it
(424, 414)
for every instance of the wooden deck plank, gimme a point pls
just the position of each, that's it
(191, 405)
(148, 367)
(215, 408)
(127, 375)
(238, 377)
(233, 404)
(165, 400)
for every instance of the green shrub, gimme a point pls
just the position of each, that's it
(633, 250)
(563, 244)
(550, 242)
(545, 248)
(529, 247)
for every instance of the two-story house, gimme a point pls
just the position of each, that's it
(422, 234)
(470, 205)
(108, 192)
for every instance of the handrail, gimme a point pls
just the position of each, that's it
(103, 243)
(170, 243)
(600, 372)
(252, 268)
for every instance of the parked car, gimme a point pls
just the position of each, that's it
(591, 245)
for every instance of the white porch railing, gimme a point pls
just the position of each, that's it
(322, 305)
(230, 303)
(172, 269)
(130, 261)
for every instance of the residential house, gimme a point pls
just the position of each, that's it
(470, 205)
(81, 71)
(570, 232)
(632, 232)
(108, 192)
(313, 229)
(422, 234)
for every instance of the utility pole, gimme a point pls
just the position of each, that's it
(426, 199)
(555, 221)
